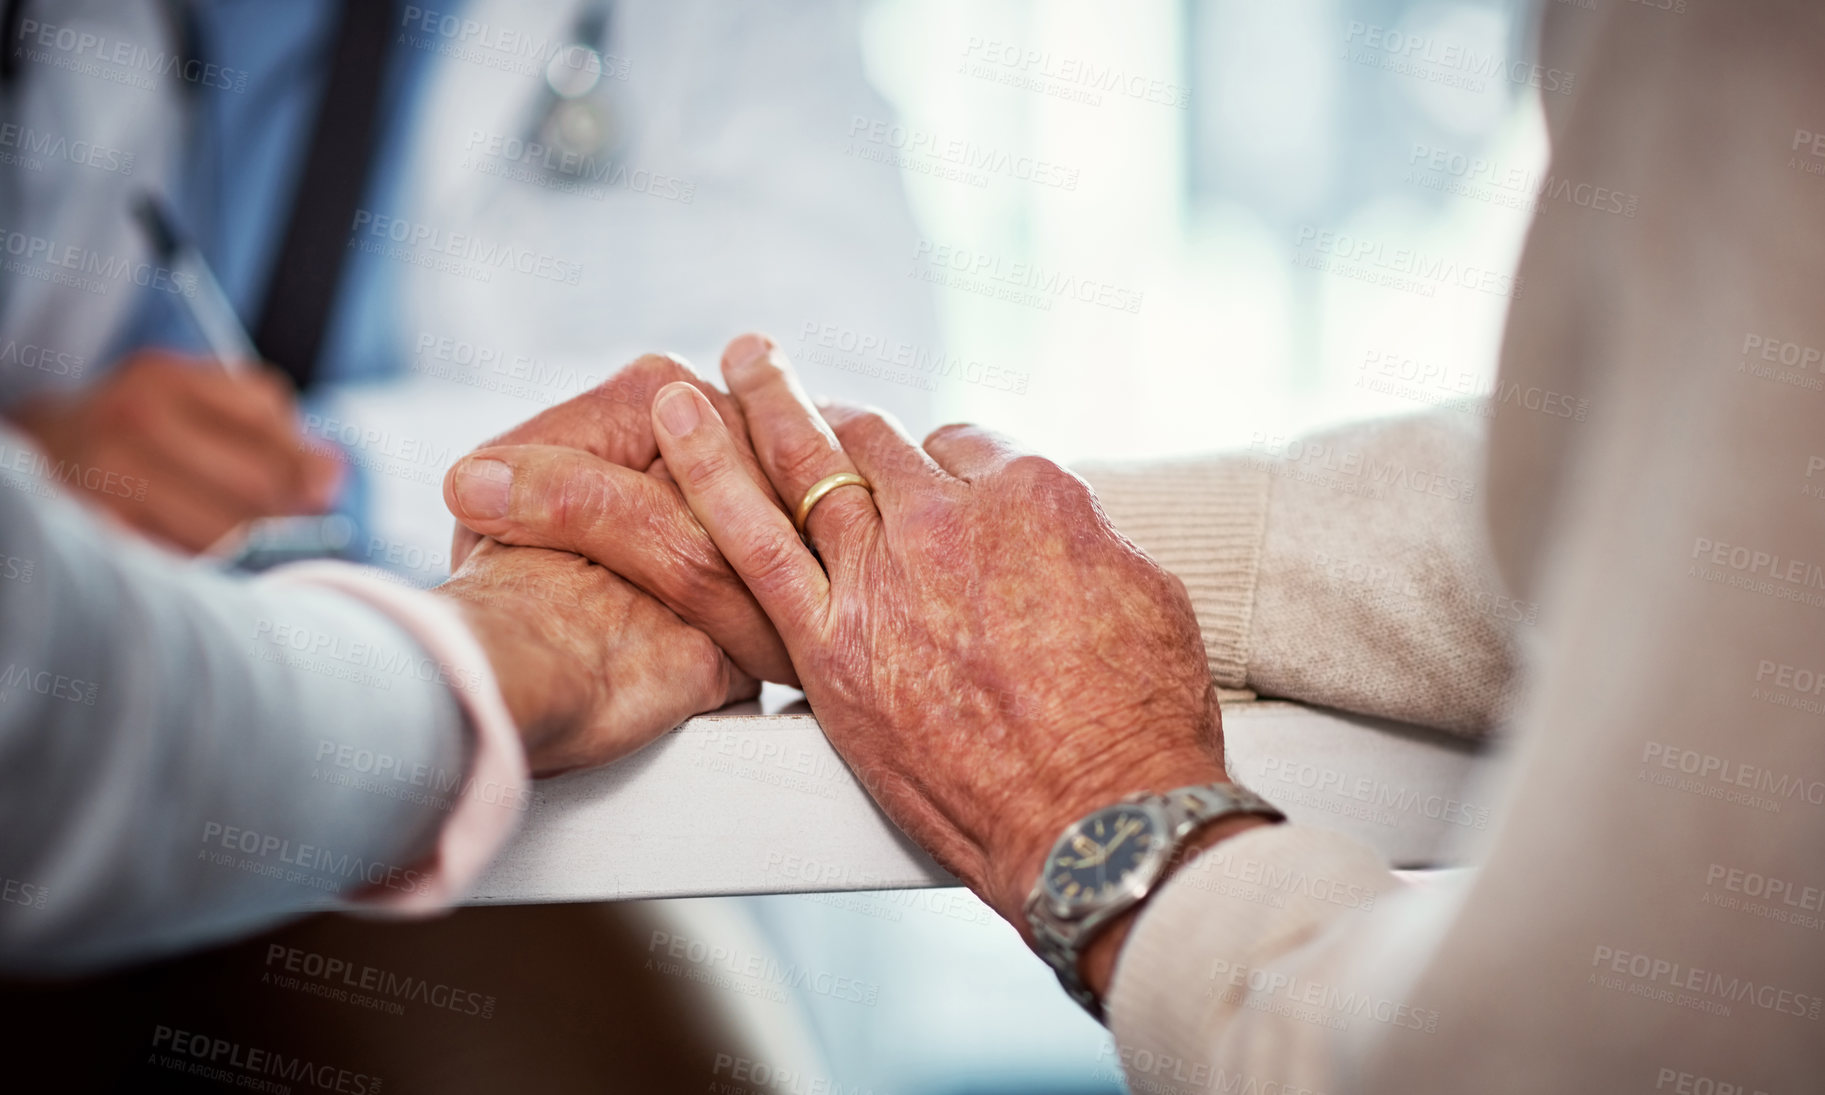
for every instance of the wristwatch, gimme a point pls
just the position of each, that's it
(1111, 861)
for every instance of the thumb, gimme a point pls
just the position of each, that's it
(632, 523)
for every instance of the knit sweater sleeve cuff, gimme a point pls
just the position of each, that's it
(1204, 521)
(1184, 971)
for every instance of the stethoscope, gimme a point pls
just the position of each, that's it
(579, 115)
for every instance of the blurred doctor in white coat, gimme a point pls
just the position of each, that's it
(553, 187)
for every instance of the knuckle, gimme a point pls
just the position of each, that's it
(708, 470)
(948, 432)
(1035, 469)
(938, 524)
(1043, 480)
(636, 383)
(772, 561)
(901, 460)
(1071, 490)
(839, 410)
(802, 456)
(650, 372)
(576, 501)
(861, 424)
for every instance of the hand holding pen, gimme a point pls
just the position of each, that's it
(186, 450)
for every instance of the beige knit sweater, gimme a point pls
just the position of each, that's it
(1648, 913)
(1349, 569)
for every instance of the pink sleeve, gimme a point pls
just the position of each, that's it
(497, 792)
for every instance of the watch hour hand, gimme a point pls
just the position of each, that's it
(1126, 830)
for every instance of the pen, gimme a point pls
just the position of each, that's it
(209, 305)
(263, 542)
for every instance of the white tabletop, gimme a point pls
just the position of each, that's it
(747, 801)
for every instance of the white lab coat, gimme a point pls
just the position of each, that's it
(746, 109)
(743, 110)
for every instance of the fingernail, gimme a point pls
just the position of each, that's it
(483, 488)
(678, 412)
(748, 349)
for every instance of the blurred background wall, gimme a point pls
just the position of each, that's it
(1157, 228)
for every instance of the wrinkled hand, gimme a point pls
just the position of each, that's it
(590, 667)
(182, 450)
(989, 655)
(585, 477)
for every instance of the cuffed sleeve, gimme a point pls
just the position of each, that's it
(1202, 520)
(495, 793)
(1203, 952)
(1348, 569)
(1643, 913)
(186, 756)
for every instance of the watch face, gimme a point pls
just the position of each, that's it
(1104, 855)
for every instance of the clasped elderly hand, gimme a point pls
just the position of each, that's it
(988, 654)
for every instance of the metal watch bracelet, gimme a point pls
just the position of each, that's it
(1061, 933)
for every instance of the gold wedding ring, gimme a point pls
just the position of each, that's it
(822, 487)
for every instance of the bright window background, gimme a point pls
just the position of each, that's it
(1291, 124)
